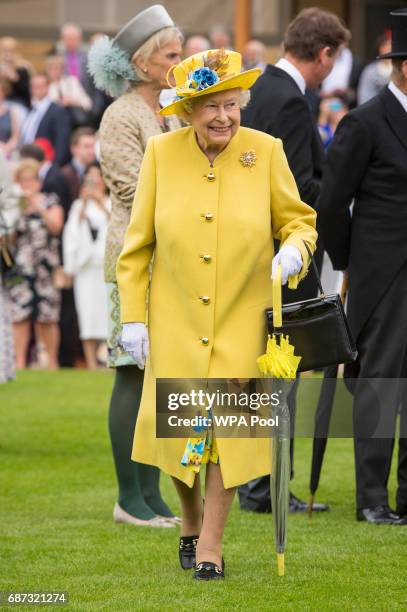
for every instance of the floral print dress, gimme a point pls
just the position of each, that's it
(31, 286)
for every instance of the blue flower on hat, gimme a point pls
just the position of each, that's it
(204, 77)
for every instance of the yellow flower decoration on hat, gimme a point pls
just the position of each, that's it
(207, 72)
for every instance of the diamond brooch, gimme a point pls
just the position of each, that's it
(248, 159)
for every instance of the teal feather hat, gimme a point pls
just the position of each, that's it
(109, 60)
(110, 66)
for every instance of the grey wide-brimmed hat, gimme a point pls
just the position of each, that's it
(398, 35)
(109, 60)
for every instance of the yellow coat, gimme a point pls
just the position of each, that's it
(180, 216)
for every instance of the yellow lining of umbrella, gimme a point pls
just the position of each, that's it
(279, 360)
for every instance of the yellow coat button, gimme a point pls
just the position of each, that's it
(204, 341)
(206, 258)
(208, 216)
(205, 299)
(211, 177)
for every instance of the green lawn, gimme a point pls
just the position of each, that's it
(56, 531)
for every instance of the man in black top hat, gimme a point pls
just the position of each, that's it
(367, 163)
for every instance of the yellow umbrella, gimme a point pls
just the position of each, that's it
(279, 362)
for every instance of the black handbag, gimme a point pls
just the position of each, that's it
(318, 328)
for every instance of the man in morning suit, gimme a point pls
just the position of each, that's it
(278, 106)
(83, 153)
(367, 163)
(47, 119)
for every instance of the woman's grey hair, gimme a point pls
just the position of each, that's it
(187, 107)
(153, 44)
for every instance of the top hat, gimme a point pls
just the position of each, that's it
(109, 61)
(398, 35)
(205, 73)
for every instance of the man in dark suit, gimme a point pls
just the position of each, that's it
(47, 120)
(367, 163)
(83, 154)
(279, 107)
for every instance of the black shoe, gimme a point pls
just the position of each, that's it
(380, 515)
(209, 571)
(187, 549)
(401, 510)
(297, 505)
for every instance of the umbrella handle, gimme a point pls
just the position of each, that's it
(277, 299)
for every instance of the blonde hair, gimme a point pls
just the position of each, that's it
(187, 107)
(153, 44)
(27, 165)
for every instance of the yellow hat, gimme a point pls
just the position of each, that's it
(206, 73)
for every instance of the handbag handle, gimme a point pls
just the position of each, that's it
(277, 299)
(314, 265)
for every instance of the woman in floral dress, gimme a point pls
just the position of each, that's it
(34, 297)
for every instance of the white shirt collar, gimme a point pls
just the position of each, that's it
(401, 96)
(41, 105)
(44, 169)
(80, 168)
(294, 73)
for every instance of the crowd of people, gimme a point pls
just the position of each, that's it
(52, 116)
(76, 252)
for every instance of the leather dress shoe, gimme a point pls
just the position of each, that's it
(297, 505)
(206, 570)
(401, 510)
(187, 550)
(380, 515)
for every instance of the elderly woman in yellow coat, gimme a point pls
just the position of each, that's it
(210, 199)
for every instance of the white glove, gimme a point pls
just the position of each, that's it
(135, 342)
(290, 260)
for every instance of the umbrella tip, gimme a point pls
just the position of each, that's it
(280, 564)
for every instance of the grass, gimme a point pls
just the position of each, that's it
(56, 532)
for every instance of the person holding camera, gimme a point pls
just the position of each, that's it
(84, 240)
(32, 291)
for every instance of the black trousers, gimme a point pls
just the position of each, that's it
(382, 356)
